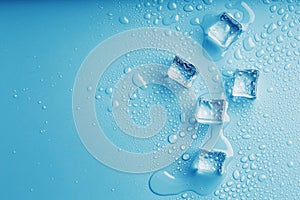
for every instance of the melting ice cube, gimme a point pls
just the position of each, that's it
(225, 31)
(209, 162)
(211, 111)
(245, 83)
(183, 72)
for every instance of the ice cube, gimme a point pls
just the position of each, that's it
(211, 111)
(182, 72)
(209, 162)
(225, 31)
(245, 83)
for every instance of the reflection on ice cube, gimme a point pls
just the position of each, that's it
(183, 72)
(211, 111)
(209, 162)
(225, 31)
(245, 83)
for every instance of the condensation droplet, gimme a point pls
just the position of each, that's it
(123, 20)
(172, 139)
(236, 174)
(185, 156)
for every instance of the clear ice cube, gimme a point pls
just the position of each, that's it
(245, 83)
(211, 111)
(182, 72)
(225, 31)
(209, 162)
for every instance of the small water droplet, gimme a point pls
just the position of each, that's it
(188, 8)
(272, 27)
(89, 88)
(194, 136)
(182, 134)
(195, 21)
(172, 139)
(208, 2)
(185, 156)
(289, 143)
(108, 90)
(172, 6)
(290, 164)
(123, 20)
(262, 178)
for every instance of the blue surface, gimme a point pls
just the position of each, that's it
(42, 45)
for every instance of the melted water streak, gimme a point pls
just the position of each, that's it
(163, 183)
(194, 179)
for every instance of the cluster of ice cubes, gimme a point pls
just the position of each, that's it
(209, 162)
(182, 72)
(213, 111)
(225, 31)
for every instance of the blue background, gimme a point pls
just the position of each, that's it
(42, 45)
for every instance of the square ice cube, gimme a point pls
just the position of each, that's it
(225, 31)
(182, 72)
(211, 111)
(209, 162)
(245, 83)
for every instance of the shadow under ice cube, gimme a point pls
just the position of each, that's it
(209, 162)
(182, 72)
(245, 83)
(225, 31)
(211, 111)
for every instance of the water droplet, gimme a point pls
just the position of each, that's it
(116, 103)
(108, 90)
(186, 156)
(208, 2)
(89, 88)
(44, 107)
(290, 164)
(184, 195)
(127, 70)
(194, 136)
(172, 139)
(280, 11)
(262, 178)
(97, 97)
(182, 134)
(289, 143)
(188, 8)
(236, 174)
(123, 20)
(246, 136)
(248, 43)
(238, 54)
(172, 6)
(199, 7)
(260, 53)
(195, 21)
(273, 9)
(272, 27)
